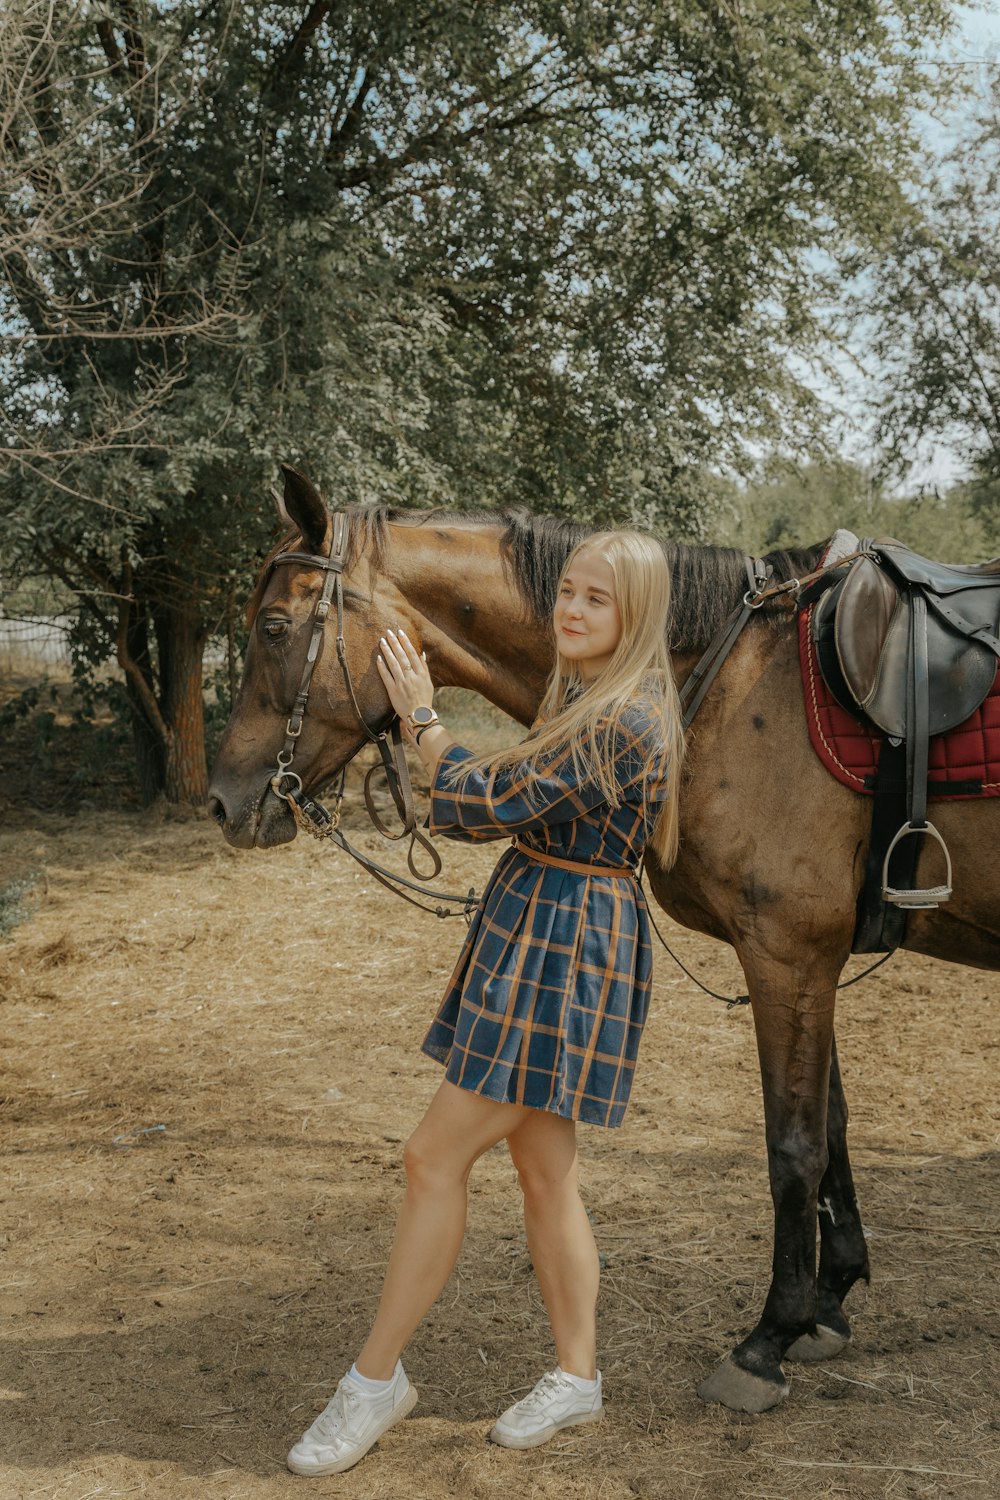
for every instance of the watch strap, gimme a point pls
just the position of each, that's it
(423, 728)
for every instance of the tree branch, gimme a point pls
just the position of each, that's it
(308, 26)
(384, 167)
(960, 333)
(135, 47)
(130, 666)
(54, 565)
(349, 126)
(106, 33)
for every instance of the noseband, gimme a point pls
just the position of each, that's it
(309, 813)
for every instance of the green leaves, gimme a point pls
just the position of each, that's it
(932, 300)
(491, 253)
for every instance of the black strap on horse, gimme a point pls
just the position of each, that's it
(707, 668)
(313, 818)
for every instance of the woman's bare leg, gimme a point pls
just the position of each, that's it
(456, 1130)
(560, 1238)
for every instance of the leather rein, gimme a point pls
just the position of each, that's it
(309, 813)
(322, 823)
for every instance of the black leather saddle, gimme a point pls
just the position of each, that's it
(911, 645)
(875, 615)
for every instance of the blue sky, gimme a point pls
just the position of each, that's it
(981, 29)
(980, 32)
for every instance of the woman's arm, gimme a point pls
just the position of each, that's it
(485, 804)
(433, 743)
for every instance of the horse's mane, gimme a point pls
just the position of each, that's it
(707, 582)
(533, 548)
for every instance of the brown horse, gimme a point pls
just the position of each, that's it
(772, 854)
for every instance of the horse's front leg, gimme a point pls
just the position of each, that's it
(793, 1018)
(843, 1255)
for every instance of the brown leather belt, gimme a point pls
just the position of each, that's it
(575, 867)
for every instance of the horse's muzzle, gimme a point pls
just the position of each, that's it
(258, 822)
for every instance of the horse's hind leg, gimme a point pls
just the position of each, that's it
(843, 1256)
(793, 1000)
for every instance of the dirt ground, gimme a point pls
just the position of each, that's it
(211, 1062)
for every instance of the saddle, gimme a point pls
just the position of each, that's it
(912, 645)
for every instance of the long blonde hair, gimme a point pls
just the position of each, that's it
(575, 715)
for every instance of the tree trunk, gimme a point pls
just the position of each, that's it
(182, 643)
(147, 742)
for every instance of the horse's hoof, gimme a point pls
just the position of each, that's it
(825, 1343)
(741, 1391)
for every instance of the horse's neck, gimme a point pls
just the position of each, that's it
(475, 626)
(479, 633)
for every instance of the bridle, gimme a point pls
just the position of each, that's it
(309, 813)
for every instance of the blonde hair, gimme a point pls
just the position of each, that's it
(576, 715)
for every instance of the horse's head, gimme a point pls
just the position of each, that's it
(283, 613)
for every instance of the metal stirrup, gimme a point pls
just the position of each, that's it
(916, 900)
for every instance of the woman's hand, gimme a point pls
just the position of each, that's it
(404, 673)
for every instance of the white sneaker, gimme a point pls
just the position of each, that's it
(555, 1403)
(353, 1422)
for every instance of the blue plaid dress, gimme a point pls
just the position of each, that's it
(549, 996)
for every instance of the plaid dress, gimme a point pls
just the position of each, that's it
(549, 996)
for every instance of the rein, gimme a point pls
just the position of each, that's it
(323, 823)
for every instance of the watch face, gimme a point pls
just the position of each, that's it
(422, 715)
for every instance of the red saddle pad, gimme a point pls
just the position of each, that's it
(965, 762)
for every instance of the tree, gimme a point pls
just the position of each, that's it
(791, 505)
(550, 254)
(932, 298)
(810, 501)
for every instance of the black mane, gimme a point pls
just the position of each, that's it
(707, 582)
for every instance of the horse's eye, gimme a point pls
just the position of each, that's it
(275, 629)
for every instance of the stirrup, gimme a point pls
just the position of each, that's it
(918, 900)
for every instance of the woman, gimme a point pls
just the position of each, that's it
(541, 1021)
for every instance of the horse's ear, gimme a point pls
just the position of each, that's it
(303, 507)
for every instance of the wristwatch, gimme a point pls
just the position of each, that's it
(421, 718)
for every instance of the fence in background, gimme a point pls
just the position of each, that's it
(34, 644)
(38, 645)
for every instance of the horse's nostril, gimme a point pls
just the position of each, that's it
(217, 810)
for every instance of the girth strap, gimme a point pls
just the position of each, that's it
(917, 714)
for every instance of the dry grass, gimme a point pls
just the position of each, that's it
(211, 1062)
